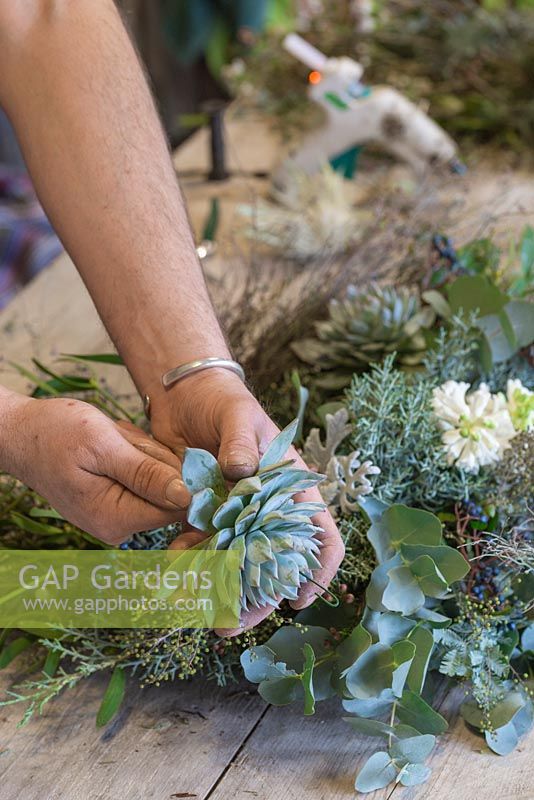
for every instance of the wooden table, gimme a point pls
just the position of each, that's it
(195, 740)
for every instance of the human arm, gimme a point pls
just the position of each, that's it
(109, 479)
(73, 88)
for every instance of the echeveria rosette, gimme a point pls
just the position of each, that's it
(365, 326)
(258, 517)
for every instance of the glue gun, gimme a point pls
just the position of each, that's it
(357, 114)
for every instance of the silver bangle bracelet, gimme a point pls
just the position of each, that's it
(179, 373)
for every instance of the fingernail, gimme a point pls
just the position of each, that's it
(236, 460)
(177, 494)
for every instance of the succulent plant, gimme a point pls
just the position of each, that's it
(258, 517)
(367, 325)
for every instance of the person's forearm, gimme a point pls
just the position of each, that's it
(72, 86)
(12, 444)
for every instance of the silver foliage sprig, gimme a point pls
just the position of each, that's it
(346, 476)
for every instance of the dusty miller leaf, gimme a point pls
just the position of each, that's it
(316, 453)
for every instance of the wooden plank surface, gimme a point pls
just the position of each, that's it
(166, 742)
(290, 757)
(226, 743)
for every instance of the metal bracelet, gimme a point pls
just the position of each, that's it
(179, 373)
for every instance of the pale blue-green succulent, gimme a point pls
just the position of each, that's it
(274, 536)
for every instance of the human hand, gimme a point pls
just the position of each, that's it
(215, 411)
(110, 479)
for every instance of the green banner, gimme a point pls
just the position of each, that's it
(119, 589)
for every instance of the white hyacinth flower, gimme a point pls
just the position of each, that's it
(477, 428)
(520, 405)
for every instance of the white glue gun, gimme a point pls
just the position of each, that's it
(356, 115)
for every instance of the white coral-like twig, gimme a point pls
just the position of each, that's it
(316, 453)
(347, 480)
(346, 477)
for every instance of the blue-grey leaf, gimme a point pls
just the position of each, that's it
(403, 593)
(521, 316)
(258, 548)
(378, 584)
(228, 512)
(404, 731)
(414, 750)
(279, 445)
(413, 710)
(281, 691)
(202, 508)
(200, 470)
(377, 772)
(503, 740)
(527, 638)
(256, 662)
(449, 561)
(392, 627)
(424, 645)
(414, 774)
(369, 727)
(370, 708)
(246, 486)
(373, 507)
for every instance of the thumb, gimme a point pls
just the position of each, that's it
(145, 476)
(239, 450)
(188, 539)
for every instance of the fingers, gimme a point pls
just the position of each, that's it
(145, 476)
(120, 513)
(332, 549)
(248, 620)
(188, 539)
(331, 556)
(146, 444)
(240, 430)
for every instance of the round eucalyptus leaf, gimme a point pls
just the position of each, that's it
(501, 714)
(502, 740)
(527, 638)
(377, 772)
(281, 691)
(402, 593)
(413, 710)
(414, 774)
(378, 584)
(450, 563)
(414, 750)
(392, 627)
(369, 727)
(370, 708)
